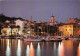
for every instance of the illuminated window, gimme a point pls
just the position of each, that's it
(66, 29)
(65, 26)
(70, 26)
(70, 29)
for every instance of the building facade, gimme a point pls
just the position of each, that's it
(73, 20)
(8, 31)
(69, 30)
(22, 24)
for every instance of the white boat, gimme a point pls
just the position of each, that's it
(32, 40)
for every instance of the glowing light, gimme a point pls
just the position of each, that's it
(54, 49)
(38, 50)
(29, 31)
(60, 49)
(31, 50)
(8, 51)
(79, 50)
(19, 49)
(54, 45)
(27, 50)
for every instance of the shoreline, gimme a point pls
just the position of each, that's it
(41, 39)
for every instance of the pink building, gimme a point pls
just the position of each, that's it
(72, 20)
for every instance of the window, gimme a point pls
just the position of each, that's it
(66, 29)
(70, 29)
(70, 26)
(65, 26)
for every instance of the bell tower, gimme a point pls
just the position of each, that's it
(52, 20)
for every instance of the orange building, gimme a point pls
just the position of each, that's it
(69, 30)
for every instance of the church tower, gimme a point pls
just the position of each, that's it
(52, 20)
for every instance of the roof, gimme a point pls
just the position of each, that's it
(10, 26)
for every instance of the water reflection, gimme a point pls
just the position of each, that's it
(31, 50)
(38, 50)
(79, 50)
(8, 51)
(54, 49)
(19, 48)
(27, 50)
(60, 49)
(16, 47)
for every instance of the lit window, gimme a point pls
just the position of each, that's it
(65, 26)
(66, 29)
(70, 29)
(70, 26)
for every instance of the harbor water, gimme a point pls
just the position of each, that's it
(17, 47)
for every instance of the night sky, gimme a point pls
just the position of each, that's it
(41, 10)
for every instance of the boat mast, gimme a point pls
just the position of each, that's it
(30, 25)
(47, 28)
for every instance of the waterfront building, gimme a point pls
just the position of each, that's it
(73, 20)
(7, 21)
(30, 28)
(26, 27)
(45, 29)
(69, 30)
(22, 24)
(10, 30)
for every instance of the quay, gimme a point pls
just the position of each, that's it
(41, 38)
(11, 37)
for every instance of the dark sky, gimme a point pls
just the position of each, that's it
(41, 10)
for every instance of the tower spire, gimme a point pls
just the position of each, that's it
(52, 14)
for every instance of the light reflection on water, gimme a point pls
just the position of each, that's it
(16, 47)
(60, 49)
(8, 51)
(38, 50)
(31, 50)
(79, 50)
(19, 48)
(27, 50)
